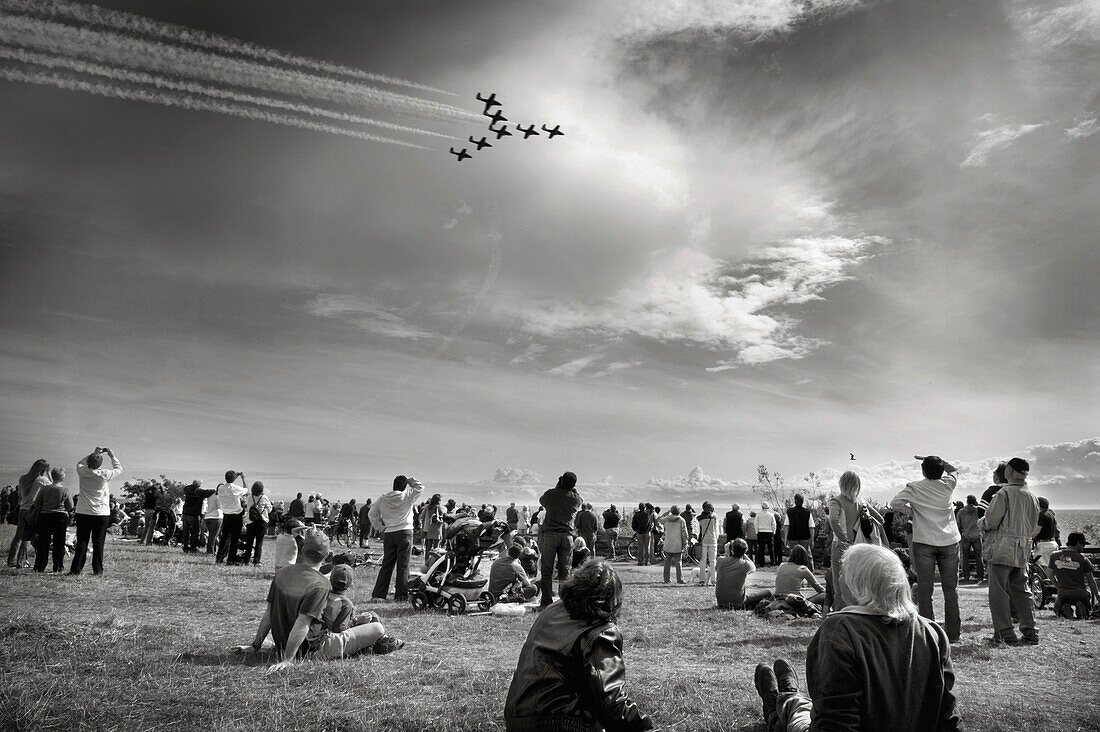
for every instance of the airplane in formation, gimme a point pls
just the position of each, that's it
(461, 154)
(496, 117)
(482, 143)
(529, 132)
(553, 132)
(502, 132)
(490, 101)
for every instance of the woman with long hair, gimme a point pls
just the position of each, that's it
(259, 511)
(51, 510)
(845, 512)
(793, 573)
(571, 673)
(30, 483)
(431, 522)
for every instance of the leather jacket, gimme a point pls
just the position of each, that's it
(570, 678)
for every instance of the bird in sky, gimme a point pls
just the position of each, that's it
(853, 456)
(553, 132)
(530, 131)
(461, 154)
(482, 143)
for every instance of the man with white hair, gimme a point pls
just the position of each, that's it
(765, 534)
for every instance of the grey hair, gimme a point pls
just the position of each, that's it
(876, 578)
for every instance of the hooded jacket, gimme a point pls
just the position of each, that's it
(393, 510)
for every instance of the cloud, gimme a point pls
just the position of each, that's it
(615, 366)
(695, 481)
(515, 476)
(692, 297)
(532, 352)
(992, 140)
(574, 367)
(365, 314)
(1083, 127)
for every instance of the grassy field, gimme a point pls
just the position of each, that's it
(145, 648)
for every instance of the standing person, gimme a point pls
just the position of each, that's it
(750, 533)
(999, 482)
(524, 521)
(845, 512)
(311, 507)
(800, 527)
(765, 534)
(676, 540)
(611, 520)
(51, 509)
(193, 497)
(511, 516)
(935, 538)
(688, 515)
(230, 497)
(777, 537)
(364, 525)
(970, 542)
(152, 494)
(556, 533)
(392, 514)
(708, 540)
(30, 483)
(587, 525)
(5, 493)
(734, 525)
(212, 517)
(298, 508)
(93, 508)
(1049, 537)
(642, 523)
(1011, 522)
(431, 518)
(259, 514)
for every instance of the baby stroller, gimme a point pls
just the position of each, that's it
(451, 579)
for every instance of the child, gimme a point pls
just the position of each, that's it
(342, 632)
(287, 542)
(581, 552)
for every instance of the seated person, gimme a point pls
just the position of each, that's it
(874, 665)
(342, 632)
(506, 572)
(529, 556)
(733, 570)
(1073, 575)
(571, 671)
(792, 573)
(581, 554)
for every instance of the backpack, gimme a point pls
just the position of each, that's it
(255, 515)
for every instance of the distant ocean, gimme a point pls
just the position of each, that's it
(1072, 519)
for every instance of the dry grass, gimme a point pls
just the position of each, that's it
(144, 648)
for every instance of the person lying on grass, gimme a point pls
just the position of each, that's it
(295, 614)
(571, 674)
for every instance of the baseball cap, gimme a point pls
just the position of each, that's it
(341, 578)
(1076, 537)
(315, 546)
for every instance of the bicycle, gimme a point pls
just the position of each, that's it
(340, 532)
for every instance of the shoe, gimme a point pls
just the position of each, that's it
(785, 676)
(1082, 610)
(681, 582)
(764, 681)
(1066, 611)
(998, 640)
(1030, 640)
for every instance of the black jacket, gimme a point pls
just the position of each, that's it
(561, 507)
(734, 527)
(611, 519)
(193, 498)
(570, 678)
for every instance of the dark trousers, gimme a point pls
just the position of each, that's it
(232, 523)
(213, 528)
(396, 548)
(17, 554)
(191, 533)
(926, 558)
(555, 548)
(777, 545)
(254, 541)
(93, 528)
(971, 548)
(765, 543)
(51, 535)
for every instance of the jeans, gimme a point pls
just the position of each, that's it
(230, 537)
(925, 559)
(51, 535)
(968, 548)
(190, 533)
(777, 547)
(612, 541)
(674, 559)
(254, 542)
(708, 564)
(840, 596)
(150, 525)
(792, 713)
(92, 528)
(556, 547)
(352, 641)
(764, 543)
(396, 549)
(213, 528)
(1071, 598)
(17, 554)
(1008, 592)
(645, 549)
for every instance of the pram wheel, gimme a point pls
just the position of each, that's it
(485, 601)
(456, 605)
(439, 601)
(419, 600)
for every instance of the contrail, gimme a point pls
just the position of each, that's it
(140, 25)
(188, 87)
(120, 50)
(188, 102)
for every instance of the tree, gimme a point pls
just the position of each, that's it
(769, 486)
(134, 490)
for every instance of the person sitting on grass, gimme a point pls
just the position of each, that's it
(343, 632)
(733, 569)
(791, 574)
(873, 665)
(1073, 574)
(506, 573)
(581, 552)
(571, 673)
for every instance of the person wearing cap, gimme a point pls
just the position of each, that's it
(392, 515)
(1010, 523)
(935, 538)
(342, 632)
(193, 496)
(1073, 575)
(556, 532)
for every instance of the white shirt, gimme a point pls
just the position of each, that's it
(933, 512)
(95, 488)
(229, 497)
(765, 521)
(393, 510)
(211, 508)
(263, 505)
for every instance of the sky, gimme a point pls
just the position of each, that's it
(773, 233)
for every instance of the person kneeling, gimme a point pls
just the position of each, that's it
(1073, 574)
(874, 665)
(571, 673)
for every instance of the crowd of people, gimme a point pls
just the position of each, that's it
(878, 654)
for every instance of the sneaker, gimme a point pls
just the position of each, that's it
(785, 676)
(768, 689)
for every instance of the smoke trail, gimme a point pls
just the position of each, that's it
(188, 102)
(139, 25)
(120, 50)
(164, 83)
